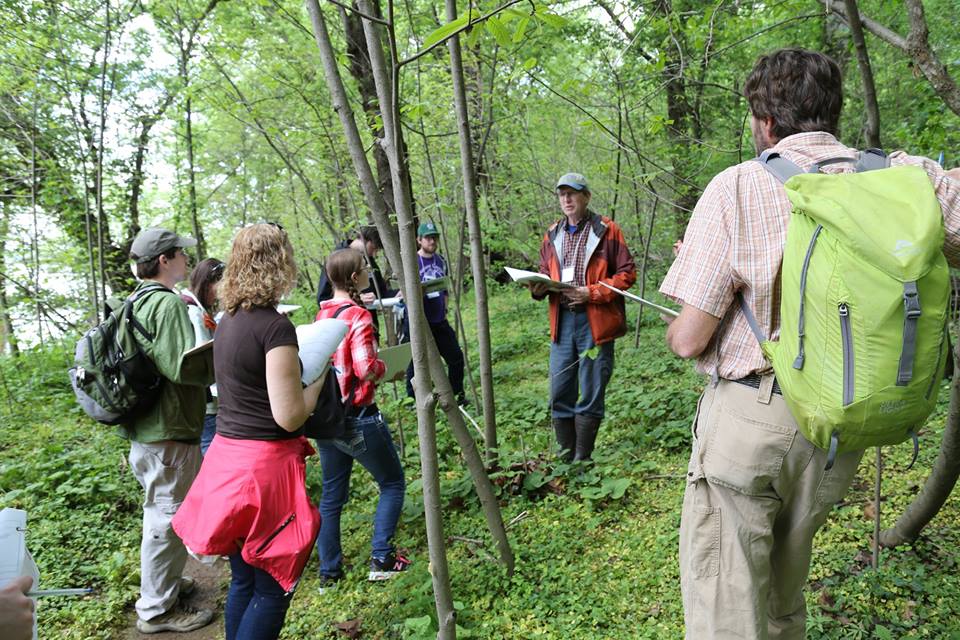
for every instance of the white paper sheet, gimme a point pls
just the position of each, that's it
(523, 276)
(15, 560)
(318, 341)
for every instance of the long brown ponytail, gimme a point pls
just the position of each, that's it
(340, 267)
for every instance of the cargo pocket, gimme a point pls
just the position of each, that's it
(835, 481)
(704, 541)
(745, 454)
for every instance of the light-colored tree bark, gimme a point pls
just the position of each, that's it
(916, 45)
(476, 240)
(401, 250)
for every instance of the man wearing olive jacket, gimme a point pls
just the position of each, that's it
(165, 440)
(582, 249)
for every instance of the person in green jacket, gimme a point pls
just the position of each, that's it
(165, 440)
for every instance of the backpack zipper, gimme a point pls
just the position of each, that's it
(846, 336)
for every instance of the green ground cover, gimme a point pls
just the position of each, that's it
(596, 551)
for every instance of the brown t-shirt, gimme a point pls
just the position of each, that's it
(240, 347)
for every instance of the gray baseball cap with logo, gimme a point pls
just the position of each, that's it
(151, 242)
(573, 180)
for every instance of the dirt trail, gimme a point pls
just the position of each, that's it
(211, 593)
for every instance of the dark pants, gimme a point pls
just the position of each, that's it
(209, 430)
(451, 353)
(256, 603)
(578, 381)
(368, 441)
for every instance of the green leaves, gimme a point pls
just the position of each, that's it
(447, 30)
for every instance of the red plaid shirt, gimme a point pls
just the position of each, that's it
(734, 242)
(357, 354)
(575, 249)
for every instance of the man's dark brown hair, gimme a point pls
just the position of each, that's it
(151, 267)
(369, 233)
(801, 90)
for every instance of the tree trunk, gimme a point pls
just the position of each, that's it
(939, 484)
(476, 241)
(401, 250)
(8, 336)
(191, 173)
(387, 86)
(916, 45)
(872, 126)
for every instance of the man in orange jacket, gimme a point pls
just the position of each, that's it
(582, 249)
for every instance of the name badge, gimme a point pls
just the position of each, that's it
(567, 275)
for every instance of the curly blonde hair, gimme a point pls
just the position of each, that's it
(260, 269)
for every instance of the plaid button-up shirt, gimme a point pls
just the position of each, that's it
(734, 242)
(574, 250)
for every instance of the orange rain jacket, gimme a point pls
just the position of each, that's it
(607, 259)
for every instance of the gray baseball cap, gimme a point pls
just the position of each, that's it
(151, 242)
(573, 180)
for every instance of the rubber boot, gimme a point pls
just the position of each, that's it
(586, 428)
(566, 437)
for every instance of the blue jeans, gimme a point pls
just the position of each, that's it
(367, 440)
(209, 430)
(256, 603)
(568, 370)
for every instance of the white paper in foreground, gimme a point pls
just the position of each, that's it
(318, 341)
(15, 560)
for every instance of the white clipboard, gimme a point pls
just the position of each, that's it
(653, 305)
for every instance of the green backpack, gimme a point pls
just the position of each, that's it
(863, 303)
(113, 378)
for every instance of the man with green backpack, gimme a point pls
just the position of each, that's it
(165, 437)
(814, 288)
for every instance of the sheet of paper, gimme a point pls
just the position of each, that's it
(653, 305)
(523, 277)
(15, 560)
(200, 348)
(13, 545)
(397, 360)
(318, 341)
(287, 309)
(384, 303)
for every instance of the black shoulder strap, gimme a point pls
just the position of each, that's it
(353, 383)
(137, 296)
(341, 310)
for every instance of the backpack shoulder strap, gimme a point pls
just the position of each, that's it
(136, 297)
(341, 310)
(778, 166)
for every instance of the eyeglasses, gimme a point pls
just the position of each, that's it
(217, 269)
(277, 225)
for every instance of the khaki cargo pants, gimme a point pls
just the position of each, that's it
(756, 494)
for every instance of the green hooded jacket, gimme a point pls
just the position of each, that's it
(178, 413)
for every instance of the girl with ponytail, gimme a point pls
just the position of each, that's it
(366, 437)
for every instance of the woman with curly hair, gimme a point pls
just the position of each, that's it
(366, 437)
(250, 500)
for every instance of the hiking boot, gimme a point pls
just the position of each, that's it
(328, 583)
(180, 619)
(586, 428)
(387, 568)
(566, 437)
(187, 586)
